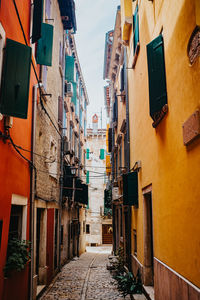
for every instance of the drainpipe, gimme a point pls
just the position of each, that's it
(32, 192)
(128, 157)
(112, 184)
(79, 161)
(61, 155)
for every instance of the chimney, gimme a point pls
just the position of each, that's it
(95, 123)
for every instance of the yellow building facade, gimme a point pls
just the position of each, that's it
(165, 230)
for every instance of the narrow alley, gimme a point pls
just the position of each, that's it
(86, 278)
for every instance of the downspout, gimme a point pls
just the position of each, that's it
(112, 184)
(61, 154)
(33, 178)
(79, 159)
(128, 155)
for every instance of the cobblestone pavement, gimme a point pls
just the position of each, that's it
(84, 279)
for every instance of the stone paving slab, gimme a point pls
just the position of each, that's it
(85, 279)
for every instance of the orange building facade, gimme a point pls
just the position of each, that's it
(15, 171)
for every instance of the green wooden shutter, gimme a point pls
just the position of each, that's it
(15, 80)
(45, 46)
(101, 153)
(87, 177)
(130, 188)
(87, 153)
(74, 93)
(135, 29)
(157, 77)
(69, 68)
(37, 20)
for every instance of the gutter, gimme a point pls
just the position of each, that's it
(33, 177)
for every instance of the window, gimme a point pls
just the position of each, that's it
(15, 228)
(157, 80)
(87, 153)
(60, 111)
(87, 177)
(130, 188)
(75, 146)
(44, 76)
(61, 55)
(53, 159)
(48, 8)
(136, 45)
(18, 217)
(102, 154)
(83, 226)
(71, 136)
(87, 228)
(62, 234)
(120, 159)
(116, 165)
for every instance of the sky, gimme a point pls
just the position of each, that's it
(94, 18)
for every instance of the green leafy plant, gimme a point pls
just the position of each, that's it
(18, 254)
(127, 283)
(121, 259)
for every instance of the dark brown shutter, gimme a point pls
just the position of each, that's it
(37, 20)
(130, 188)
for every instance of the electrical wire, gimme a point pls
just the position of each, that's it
(35, 72)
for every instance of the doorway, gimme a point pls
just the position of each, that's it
(148, 238)
(107, 233)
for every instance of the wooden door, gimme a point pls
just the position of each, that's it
(107, 234)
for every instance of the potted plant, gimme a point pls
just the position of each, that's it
(18, 254)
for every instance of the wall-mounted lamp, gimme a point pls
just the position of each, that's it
(73, 170)
(137, 166)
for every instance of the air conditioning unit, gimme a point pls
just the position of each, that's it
(115, 193)
(69, 89)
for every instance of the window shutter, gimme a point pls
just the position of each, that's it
(60, 110)
(156, 73)
(45, 46)
(122, 79)
(73, 99)
(110, 140)
(15, 80)
(87, 153)
(87, 177)
(69, 68)
(37, 20)
(135, 29)
(85, 194)
(101, 153)
(67, 182)
(130, 188)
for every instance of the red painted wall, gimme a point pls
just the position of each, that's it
(50, 243)
(15, 171)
